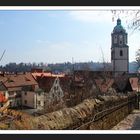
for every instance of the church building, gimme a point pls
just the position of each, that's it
(119, 50)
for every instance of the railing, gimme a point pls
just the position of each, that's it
(138, 100)
(131, 103)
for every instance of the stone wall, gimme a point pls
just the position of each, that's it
(107, 122)
(102, 113)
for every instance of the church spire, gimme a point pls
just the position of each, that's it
(119, 28)
(118, 21)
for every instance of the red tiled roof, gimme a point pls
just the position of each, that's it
(104, 85)
(134, 83)
(46, 82)
(17, 80)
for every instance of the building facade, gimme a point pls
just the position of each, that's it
(34, 99)
(14, 85)
(119, 50)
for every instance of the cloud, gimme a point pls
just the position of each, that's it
(92, 16)
(42, 41)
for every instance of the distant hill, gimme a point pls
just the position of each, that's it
(133, 67)
(63, 67)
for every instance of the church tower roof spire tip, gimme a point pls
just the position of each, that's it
(118, 21)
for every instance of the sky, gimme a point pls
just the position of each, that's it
(57, 36)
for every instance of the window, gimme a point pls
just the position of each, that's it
(25, 101)
(121, 53)
(18, 103)
(10, 103)
(121, 42)
(11, 93)
(115, 38)
(120, 39)
(25, 93)
(56, 88)
(112, 55)
(125, 39)
(38, 102)
(53, 96)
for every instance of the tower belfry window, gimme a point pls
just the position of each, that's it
(112, 55)
(120, 39)
(121, 53)
(115, 38)
(125, 39)
(120, 42)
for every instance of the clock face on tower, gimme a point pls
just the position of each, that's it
(121, 37)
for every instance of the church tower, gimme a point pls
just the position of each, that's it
(119, 50)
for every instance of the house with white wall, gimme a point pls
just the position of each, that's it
(15, 85)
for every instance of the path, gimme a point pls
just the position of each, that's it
(131, 122)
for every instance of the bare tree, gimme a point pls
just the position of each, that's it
(131, 17)
(103, 60)
(106, 67)
(2, 55)
(138, 58)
